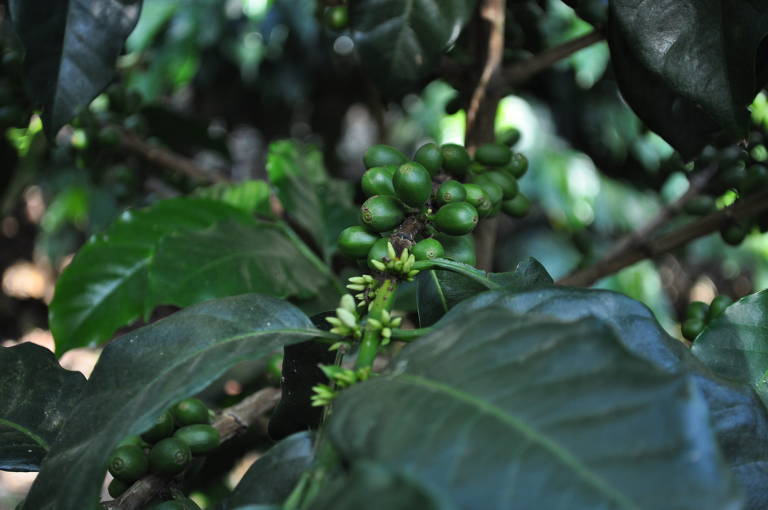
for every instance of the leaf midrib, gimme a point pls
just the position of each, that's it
(564, 456)
(37, 439)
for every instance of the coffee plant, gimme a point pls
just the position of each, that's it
(413, 373)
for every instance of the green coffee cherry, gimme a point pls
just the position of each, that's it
(189, 412)
(383, 155)
(516, 207)
(718, 306)
(133, 441)
(163, 427)
(459, 248)
(378, 251)
(356, 242)
(336, 17)
(479, 198)
(506, 182)
(381, 213)
(492, 189)
(692, 327)
(509, 137)
(733, 175)
(128, 463)
(517, 166)
(451, 191)
(169, 457)
(200, 438)
(734, 233)
(699, 206)
(755, 180)
(428, 249)
(456, 159)
(117, 487)
(413, 184)
(378, 181)
(456, 218)
(430, 157)
(697, 310)
(493, 154)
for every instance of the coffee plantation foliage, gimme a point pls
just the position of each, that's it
(434, 179)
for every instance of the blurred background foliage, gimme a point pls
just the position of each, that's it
(217, 81)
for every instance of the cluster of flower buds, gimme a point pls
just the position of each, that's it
(385, 323)
(339, 378)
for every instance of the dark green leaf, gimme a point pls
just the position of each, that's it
(374, 487)
(231, 258)
(735, 345)
(271, 479)
(552, 404)
(400, 41)
(441, 290)
(36, 396)
(680, 122)
(142, 373)
(320, 206)
(737, 415)
(71, 50)
(107, 284)
(695, 54)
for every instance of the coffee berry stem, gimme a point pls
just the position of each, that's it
(380, 307)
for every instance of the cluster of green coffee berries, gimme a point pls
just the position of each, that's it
(434, 201)
(740, 172)
(181, 432)
(699, 314)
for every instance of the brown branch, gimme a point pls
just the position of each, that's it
(166, 158)
(650, 248)
(697, 185)
(231, 422)
(481, 115)
(482, 107)
(522, 71)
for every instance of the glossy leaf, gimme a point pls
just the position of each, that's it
(735, 344)
(250, 196)
(400, 41)
(739, 418)
(441, 290)
(271, 479)
(36, 397)
(142, 373)
(697, 55)
(71, 50)
(552, 404)
(106, 285)
(231, 258)
(322, 207)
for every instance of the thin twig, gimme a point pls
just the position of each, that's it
(521, 72)
(650, 248)
(697, 185)
(166, 158)
(492, 12)
(231, 422)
